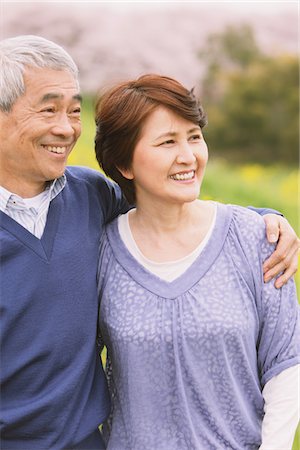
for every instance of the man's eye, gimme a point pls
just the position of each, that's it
(48, 110)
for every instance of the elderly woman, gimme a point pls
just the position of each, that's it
(204, 354)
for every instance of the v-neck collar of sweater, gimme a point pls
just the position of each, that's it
(190, 277)
(42, 247)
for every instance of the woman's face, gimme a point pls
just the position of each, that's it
(169, 159)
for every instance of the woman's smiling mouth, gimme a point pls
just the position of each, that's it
(182, 176)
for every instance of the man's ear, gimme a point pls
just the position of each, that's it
(127, 173)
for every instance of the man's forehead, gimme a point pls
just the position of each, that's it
(51, 80)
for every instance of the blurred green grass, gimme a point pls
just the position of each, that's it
(271, 186)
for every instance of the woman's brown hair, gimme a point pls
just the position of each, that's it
(121, 113)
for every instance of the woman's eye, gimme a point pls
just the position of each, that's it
(168, 142)
(195, 137)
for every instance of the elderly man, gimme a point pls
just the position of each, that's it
(53, 388)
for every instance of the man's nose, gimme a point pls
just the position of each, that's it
(64, 126)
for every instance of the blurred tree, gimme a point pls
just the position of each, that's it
(251, 99)
(233, 49)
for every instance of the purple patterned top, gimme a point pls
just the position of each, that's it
(190, 357)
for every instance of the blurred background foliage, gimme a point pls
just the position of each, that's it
(252, 100)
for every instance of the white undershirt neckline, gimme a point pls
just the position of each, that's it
(169, 270)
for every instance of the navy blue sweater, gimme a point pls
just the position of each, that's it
(53, 389)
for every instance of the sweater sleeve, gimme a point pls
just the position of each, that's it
(281, 418)
(264, 211)
(279, 335)
(114, 202)
(109, 195)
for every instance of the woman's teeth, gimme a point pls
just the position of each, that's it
(183, 176)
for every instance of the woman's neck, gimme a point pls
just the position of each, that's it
(165, 234)
(162, 219)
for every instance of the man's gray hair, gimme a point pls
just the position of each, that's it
(20, 52)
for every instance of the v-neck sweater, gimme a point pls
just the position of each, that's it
(32, 212)
(189, 358)
(53, 389)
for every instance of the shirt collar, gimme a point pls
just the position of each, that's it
(57, 186)
(4, 197)
(54, 187)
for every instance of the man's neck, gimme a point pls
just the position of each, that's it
(22, 189)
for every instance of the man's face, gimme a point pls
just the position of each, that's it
(38, 134)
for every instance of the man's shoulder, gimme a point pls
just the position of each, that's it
(84, 174)
(83, 181)
(92, 178)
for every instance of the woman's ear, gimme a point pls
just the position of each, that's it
(127, 173)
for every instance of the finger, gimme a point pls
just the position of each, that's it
(279, 256)
(272, 227)
(288, 267)
(286, 250)
(272, 273)
(284, 278)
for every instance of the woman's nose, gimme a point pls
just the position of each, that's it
(186, 154)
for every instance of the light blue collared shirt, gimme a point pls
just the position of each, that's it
(31, 213)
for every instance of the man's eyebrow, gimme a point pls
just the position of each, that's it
(56, 96)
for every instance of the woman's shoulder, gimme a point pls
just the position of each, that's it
(248, 222)
(248, 228)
